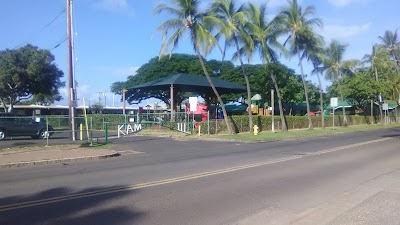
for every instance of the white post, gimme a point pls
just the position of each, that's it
(208, 122)
(333, 117)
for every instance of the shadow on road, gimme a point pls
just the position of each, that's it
(96, 209)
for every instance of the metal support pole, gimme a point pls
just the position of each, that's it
(172, 103)
(333, 117)
(106, 133)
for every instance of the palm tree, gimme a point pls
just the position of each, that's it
(316, 56)
(335, 67)
(187, 18)
(379, 60)
(301, 37)
(390, 41)
(264, 36)
(230, 20)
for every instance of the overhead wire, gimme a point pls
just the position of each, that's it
(43, 28)
(52, 21)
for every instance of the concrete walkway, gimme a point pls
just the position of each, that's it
(52, 154)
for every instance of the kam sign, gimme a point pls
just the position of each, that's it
(125, 129)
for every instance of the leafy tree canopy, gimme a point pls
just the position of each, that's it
(28, 71)
(358, 89)
(259, 77)
(260, 81)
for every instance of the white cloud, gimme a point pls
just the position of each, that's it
(117, 6)
(342, 3)
(341, 32)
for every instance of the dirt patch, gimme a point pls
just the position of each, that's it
(40, 147)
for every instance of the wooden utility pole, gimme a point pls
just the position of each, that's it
(71, 83)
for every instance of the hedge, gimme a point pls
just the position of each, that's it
(241, 123)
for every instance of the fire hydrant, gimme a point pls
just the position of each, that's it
(255, 128)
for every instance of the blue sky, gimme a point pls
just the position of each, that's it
(115, 37)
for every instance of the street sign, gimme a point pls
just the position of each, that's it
(193, 104)
(334, 102)
(385, 106)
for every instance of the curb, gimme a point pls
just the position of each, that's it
(53, 161)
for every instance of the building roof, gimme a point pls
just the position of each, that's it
(191, 83)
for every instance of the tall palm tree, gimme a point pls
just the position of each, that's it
(335, 67)
(316, 57)
(187, 18)
(390, 41)
(301, 37)
(264, 36)
(379, 59)
(230, 20)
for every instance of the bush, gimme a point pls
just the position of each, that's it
(241, 123)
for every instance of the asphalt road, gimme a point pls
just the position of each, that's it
(325, 180)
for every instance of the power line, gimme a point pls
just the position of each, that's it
(43, 28)
(52, 21)
(60, 43)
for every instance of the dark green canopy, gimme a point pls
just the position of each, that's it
(190, 83)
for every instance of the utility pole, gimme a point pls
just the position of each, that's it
(71, 83)
(124, 100)
(105, 99)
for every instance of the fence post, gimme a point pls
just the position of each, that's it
(81, 131)
(208, 122)
(106, 132)
(47, 128)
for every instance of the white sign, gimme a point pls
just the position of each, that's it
(385, 106)
(193, 104)
(334, 102)
(126, 129)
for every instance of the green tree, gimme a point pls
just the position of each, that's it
(25, 72)
(390, 40)
(359, 89)
(188, 18)
(230, 20)
(43, 99)
(165, 67)
(264, 37)
(379, 60)
(335, 67)
(301, 37)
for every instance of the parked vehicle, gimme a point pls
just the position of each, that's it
(11, 126)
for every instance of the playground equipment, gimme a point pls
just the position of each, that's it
(258, 106)
(201, 110)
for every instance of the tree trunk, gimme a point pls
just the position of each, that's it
(228, 124)
(321, 99)
(343, 108)
(310, 125)
(247, 86)
(283, 119)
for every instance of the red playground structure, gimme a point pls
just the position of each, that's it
(201, 110)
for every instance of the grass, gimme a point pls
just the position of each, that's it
(293, 134)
